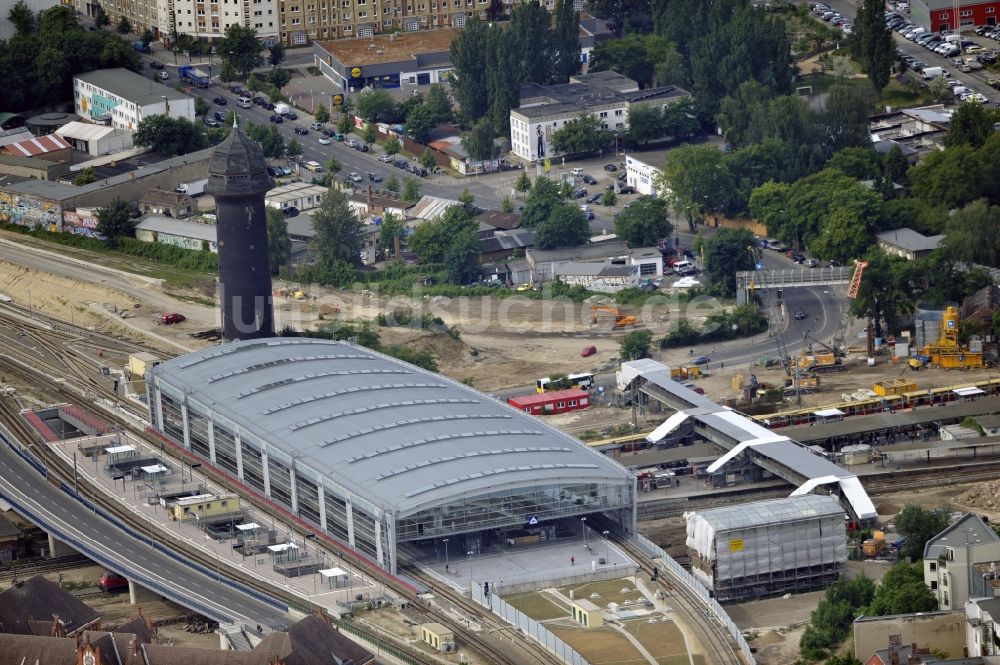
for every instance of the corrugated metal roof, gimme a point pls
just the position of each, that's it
(177, 227)
(385, 430)
(759, 513)
(430, 207)
(83, 131)
(37, 146)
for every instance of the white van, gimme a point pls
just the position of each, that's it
(684, 268)
(244, 102)
(953, 39)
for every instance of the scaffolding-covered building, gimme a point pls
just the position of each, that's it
(768, 548)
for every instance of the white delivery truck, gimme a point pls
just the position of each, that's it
(193, 188)
(932, 73)
(282, 109)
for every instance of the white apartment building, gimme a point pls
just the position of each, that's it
(545, 109)
(951, 558)
(121, 98)
(641, 175)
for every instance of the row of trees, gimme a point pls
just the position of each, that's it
(493, 60)
(38, 63)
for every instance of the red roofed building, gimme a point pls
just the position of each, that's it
(558, 401)
(51, 147)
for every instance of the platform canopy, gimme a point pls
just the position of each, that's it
(115, 450)
(155, 468)
(968, 392)
(283, 547)
(247, 527)
(828, 413)
(333, 572)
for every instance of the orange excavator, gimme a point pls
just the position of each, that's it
(621, 320)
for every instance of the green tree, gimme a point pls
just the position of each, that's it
(147, 37)
(726, 253)
(543, 197)
(645, 124)
(254, 84)
(376, 106)
(333, 165)
(466, 198)
(392, 183)
(696, 179)
(274, 94)
(502, 77)
(834, 615)
(345, 124)
(369, 135)
(635, 345)
(506, 205)
(644, 222)
(294, 148)
(629, 56)
(420, 123)
(278, 77)
(338, 232)
(169, 136)
(843, 236)
(85, 177)
(392, 146)
(523, 182)
(22, 18)
(201, 107)
(580, 136)
(276, 54)
(902, 591)
(123, 27)
(566, 226)
(495, 11)
(322, 115)
(471, 61)
(859, 163)
(480, 142)
(565, 42)
(972, 234)
(411, 190)
(609, 198)
(101, 18)
(842, 659)
(971, 124)
(871, 43)
(392, 230)
(918, 525)
(462, 257)
(427, 160)
(845, 119)
(430, 241)
(114, 222)
(279, 247)
(531, 34)
(439, 104)
(241, 48)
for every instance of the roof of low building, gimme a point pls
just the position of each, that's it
(760, 513)
(967, 529)
(430, 207)
(128, 85)
(85, 131)
(910, 240)
(498, 219)
(599, 252)
(178, 227)
(14, 135)
(522, 401)
(587, 269)
(382, 49)
(600, 89)
(513, 239)
(389, 432)
(34, 146)
(38, 599)
(163, 197)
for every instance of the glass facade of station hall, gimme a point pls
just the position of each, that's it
(365, 527)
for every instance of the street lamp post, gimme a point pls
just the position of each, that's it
(583, 521)
(447, 561)
(607, 548)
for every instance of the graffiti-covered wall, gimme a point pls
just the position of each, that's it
(82, 222)
(26, 210)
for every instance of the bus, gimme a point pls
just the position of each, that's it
(582, 381)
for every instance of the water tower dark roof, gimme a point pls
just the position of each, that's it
(238, 167)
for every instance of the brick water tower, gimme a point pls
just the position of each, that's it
(238, 179)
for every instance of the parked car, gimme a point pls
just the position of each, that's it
(401, 164)
(324, 140)
(316, 126)
(276, 119)
(258, 100)
(354, 177)
(385, 159)
(610, 168)
(290, 211)
(286, 170)
(268, 105)
(350, 143)
(212, 122)
(596, 198)
(301, 130)
(810, 263)
(588, 351)
(326, 131)
(374, 177)
(577, 171)
(579, 194)
(626, 189)
(156, 65)
(589, 179)
(700, 360)
(221, 101)
(171, 317)
(220, 116)
(589, 215)
(336, 136)
(163, 76)
(291, 115)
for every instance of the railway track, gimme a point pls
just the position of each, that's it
(24, 570)
(713, 638)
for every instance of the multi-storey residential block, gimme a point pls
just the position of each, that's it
(121, 98)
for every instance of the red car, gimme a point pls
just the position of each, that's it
(111, 582)
(171, 317)
(588, 351)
